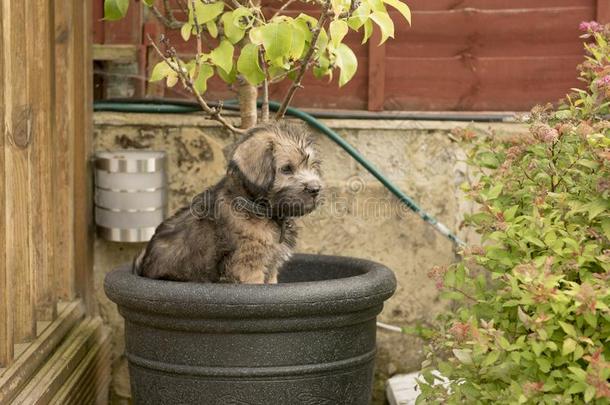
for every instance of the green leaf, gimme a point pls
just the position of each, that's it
(160, 71)
(509, 214)
(208, 12)
(463, 355)
(256, 35)
(171, 80)
(606, 227)
(201, 82)
(495, 191)
(302, 26)
(347, 62)
(576, 388)
(322, 67)
(368, 31)
(322, 42)
(544, 364)
(243, 18)
(401, 7)
(248, 65)
(222, 56)
(591, 164)
(385, 23)
(212, 28)
(298, 40)
(359, 16)
(277, 40)
(232, 32)
(589, 393)
(338, 30)
(568, 346)
(596, 207)
(568, 328)
(149, 3)
(579, 373)
(229, 77)
(590, 318)
(185, 31)
(115, 9)
(491, 358)
(339, 6)
(488, 159)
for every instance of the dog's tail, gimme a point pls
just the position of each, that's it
(136, 265)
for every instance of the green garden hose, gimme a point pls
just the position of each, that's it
(184, 107)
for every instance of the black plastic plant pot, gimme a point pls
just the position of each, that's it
(308, 340)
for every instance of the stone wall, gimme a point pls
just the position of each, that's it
(360, 217)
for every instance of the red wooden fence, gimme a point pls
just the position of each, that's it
(471, 55)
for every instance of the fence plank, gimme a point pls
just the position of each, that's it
(127, 30)
(6, 321)
(495, 4)
(603, 11)
(511, 32)
(65, 133)
(18, 123)
(97, 16)
(40, 94)
(376, 76)
(83, 111)
(478, 84)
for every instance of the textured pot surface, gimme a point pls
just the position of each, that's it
(308, 340)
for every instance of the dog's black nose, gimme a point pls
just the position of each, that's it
(313, 189)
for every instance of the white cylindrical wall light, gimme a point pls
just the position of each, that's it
(130, 194)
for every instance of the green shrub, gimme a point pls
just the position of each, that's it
(531, 319)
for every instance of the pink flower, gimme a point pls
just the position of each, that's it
(591, 26)
(551, 136)
(603, 82)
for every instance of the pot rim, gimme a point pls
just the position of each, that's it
(217, 300)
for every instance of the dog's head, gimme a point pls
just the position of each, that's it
(277, 163)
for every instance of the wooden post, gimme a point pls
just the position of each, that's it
(17, 172)
(64, 148)
(83, 196)
(6, 299)
(40, 90)
(376, 93)
(603, 11)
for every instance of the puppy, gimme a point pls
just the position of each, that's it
(242, 229)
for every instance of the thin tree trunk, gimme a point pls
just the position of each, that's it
(247, 104)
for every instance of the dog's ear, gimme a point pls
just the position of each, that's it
(254, 162)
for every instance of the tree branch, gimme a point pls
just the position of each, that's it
(168, 21)
(265, 104)
(199, 46)
(284, 7)
(174, 63)
(304, 63)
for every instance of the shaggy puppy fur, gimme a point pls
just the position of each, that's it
(242, 229)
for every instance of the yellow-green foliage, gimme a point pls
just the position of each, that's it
(531, 322)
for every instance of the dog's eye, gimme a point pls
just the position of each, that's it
(287, 169)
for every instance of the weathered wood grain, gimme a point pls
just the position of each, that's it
(45, 384)
(65, 132)
(6, 321)
(40, 91)
(18, 134)
(13, 379)
(83, 110)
